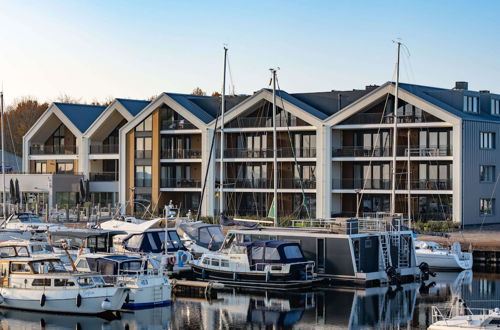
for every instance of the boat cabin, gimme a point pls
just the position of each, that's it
(93, 240)
(152, 241)
(115, 264)
(24, 248)
(204, 235)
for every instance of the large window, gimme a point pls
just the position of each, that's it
(375, 176)
(434, 176)
(176, 146)
(65, 198)
(487, 173)
(58, 139)
(104, 198)
(471, 103)
(435, 142)
(305, 145)
(40, 166)
(146, 125)
(495, 107)
(143, 176)
(372, 143)
(64, 167)
(487, 206)
(487, 140)
(143, 147)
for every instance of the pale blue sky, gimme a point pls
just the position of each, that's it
(98, 49)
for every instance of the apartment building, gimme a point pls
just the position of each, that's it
(335, 152)
(73, 141)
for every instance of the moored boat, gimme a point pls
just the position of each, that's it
(439, 258)
(264, 262)
(490, 319)
(43, 284)
(148, 285)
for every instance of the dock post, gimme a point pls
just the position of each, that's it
(77, 212)
(67, 212)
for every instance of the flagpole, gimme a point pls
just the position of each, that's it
(4, 199)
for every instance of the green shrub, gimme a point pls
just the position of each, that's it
(438, 226)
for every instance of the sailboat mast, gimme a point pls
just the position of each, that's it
(4, 199)
(408, 176)
(275, 152)
(223, 109)
(395, 136)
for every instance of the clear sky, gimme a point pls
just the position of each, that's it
(100, 49)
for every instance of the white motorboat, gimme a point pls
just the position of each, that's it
(29, 222)
(199, 237)
(149, 287)
(439, 258)
(43, 284)
(488, 320)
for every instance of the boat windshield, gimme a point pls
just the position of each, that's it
(211, 237)
(133, 266)
(41, 249)
(48, 266)
(13, 251)
(293, 252)
(29, 218)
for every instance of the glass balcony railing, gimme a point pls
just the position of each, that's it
(268, 153)
(386, 184)
(259, 183)
(104, 176)
(104, 148)
(179, 183)
(181, 154)
(176, 124)
(416, 151)
(53, 150)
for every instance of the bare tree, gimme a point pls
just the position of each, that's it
(198, 91)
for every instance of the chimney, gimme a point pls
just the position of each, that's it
(371, 87)
(484, 92)
(461, 85)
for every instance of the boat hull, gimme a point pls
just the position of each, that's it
(205, 273)
(448, 262)
(145, 296)
(65, 300)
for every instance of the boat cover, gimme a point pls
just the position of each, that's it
(262, 252)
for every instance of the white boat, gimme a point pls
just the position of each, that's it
(28, 222)
(149, 287)
(440, 258)
(199, 237)
(488, 320)
(43, 284)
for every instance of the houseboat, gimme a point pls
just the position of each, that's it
(356, 252)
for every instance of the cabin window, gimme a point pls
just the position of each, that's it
(22, 251)
(272, 254)
(41, 282)
(63, 282)
(82, 264)
(41, 249)
(257, 253)
(19, 268)
(131, 266)
(7, 251)
(292, 252)
(206, 261)
(215, 262)
(224, 263)
(85, 281)
(134, 241)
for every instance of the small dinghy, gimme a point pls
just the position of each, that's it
(44, 284)
(262, 263)
(439, 258)
(143, 275)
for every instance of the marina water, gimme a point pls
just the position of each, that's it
(327, 308)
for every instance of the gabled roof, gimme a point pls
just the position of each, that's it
(440, 96)
(133, 106)
(80, 115)
(300, 104)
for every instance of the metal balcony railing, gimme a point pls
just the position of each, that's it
(104, 148)
(445, 184)
(376, 118)
(104, 176)
(180, 154)
(361, 152)
(259, 183)
(361, 184)
(53, 150)
(433, 151)
(176, 124)
(179, 183)
(243, 122)
(268, 153)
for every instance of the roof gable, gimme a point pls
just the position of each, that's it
(80, 115)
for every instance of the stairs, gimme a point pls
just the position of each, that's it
(386, 260)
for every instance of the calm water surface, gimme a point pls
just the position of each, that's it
(407, 308)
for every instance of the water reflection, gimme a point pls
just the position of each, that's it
(155, 318)
(408, 307)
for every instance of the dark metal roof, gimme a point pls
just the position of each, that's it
(81, 115)
(133, 106)
(272, 243)
(331, 102)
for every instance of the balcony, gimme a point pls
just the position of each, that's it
(385, 184)
(378, 118)
(268, 153)
(53, 150)
(104, 176)
(181, 154)
(262, 122)
(176, 124)
(179, 183)
(361, 184)
(361, 152)
(104, 148)
(428, 184)
(434, 151)
(260, 183)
